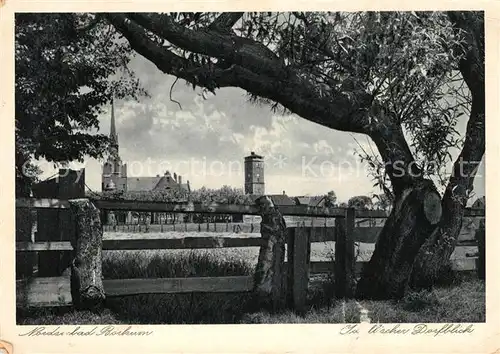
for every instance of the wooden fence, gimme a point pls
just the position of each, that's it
(66, 289)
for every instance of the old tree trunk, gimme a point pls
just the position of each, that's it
(416, 212)
(422, 230)
(437, 250)
(419, 217)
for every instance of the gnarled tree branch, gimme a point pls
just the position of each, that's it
(225, 21)
(232, 49)
(338, 111)
(472, 70)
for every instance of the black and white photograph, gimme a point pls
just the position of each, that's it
(206, 168)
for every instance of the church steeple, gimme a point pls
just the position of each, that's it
(112, 132)
(114, 172)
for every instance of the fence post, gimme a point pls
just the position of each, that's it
(269, 280)
(147, 222)
(87, 289)
(481, 243)
(344, 255)
(298, 243)
(25, 261)
(57, 225)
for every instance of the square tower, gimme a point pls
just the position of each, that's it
(254, 174)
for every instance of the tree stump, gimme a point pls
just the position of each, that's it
(87, 290)
(269, 280)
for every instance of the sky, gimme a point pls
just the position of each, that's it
(206, 141)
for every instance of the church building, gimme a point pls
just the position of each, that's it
(114, 172)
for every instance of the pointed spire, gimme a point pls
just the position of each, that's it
(112, 132)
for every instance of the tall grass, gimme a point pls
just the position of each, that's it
(462, 301)
(193, 308)
(459, 299)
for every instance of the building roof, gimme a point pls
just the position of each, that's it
(146, 184)
(282, 199)
(311, 201)
(479, 203)
(317, 201)
(303, 200)
(142, 184)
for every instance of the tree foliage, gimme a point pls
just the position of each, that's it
(361, 202)
(67, 66)
(223, 195)
(382, 202)
(331, 199)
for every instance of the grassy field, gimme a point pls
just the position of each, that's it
(461, 299)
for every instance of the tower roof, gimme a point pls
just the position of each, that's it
(112, 131)
(252, 156)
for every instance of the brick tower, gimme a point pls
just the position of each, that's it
(254, 174)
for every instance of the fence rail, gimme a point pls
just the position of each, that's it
(209, 208)
(56, 291)
(363, 235)
(213, 208)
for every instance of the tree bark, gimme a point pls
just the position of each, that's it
(269, 280)
(410, 223)
(87, 290)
